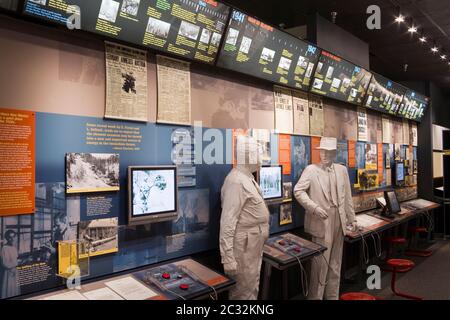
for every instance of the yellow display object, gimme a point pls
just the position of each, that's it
(70, 262)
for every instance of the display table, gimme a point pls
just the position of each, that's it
(373, 223)
(184, 279)
(410, 209)
(282, 252)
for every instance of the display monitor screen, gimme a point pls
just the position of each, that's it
(187, 28)
(413, 106)
(392, 202)
(384, 95)
(399, 172)
(271, 182)
(340, 79)
(257, 49)
(152, 191)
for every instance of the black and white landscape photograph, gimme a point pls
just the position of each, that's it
(92, 172)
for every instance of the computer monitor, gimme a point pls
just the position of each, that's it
(391, 202)
(152, 194)
(271, 182)
(399, 173)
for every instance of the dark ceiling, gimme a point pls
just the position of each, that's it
(391, 47)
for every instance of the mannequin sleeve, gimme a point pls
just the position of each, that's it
(301, 191)
(350, 211)
(9, 257)
(233, 200)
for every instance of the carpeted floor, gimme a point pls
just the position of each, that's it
(429, 279)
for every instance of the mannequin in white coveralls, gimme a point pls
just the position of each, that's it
(244, 224)
(324, 191)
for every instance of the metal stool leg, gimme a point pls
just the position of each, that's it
(398, 293)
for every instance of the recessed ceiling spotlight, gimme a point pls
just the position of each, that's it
(434, 47)
(412, 29)
(444, 57)
(400, 19)
(333, 16)
(423, 39)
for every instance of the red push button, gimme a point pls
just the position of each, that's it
(166, 275)
(184, 286)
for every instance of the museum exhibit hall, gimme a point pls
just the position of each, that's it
(238, 152)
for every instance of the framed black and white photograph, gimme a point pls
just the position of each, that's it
(158, 27)
(189, 30)
(287, 191)
(92, 172)
(98, 237)
(130, 7)
(109, 10)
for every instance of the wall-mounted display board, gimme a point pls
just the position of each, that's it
(17, 162)
(384, 95)
(413, 106)
(188, 28)
(340, 79)
(257, 49)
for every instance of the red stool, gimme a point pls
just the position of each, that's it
(392, 241)
(400, 266)
(396, 240)
(350, 296)
(416, 252)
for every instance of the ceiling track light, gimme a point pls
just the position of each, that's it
(412, 28)
(422, 38)
(399, 18)
(434, 48)
(334, 16)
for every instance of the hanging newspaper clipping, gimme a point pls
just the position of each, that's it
(174, 91)
(362, 124)
(301, 112)
(126, 83)
(387, 130)
(284, 121)
(316, 120)
(414, 135)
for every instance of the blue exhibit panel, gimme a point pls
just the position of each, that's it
(195, 229)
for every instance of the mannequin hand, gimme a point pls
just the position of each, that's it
(321, 213)
(353, 227)
(230, 269)
(357, 226)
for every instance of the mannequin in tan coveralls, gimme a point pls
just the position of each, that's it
(244, 224)
(324, 191)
